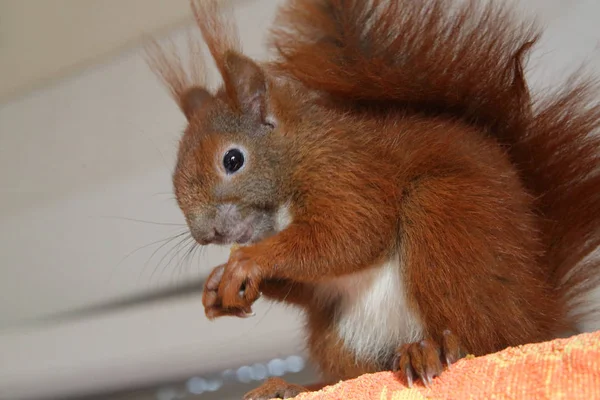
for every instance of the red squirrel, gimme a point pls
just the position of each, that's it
(390, 173)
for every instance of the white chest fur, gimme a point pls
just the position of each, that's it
(373, 316)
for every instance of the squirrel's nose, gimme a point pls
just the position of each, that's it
(206, 234)
(200, 230)
(214, 227)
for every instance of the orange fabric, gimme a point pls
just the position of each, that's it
(559, 369)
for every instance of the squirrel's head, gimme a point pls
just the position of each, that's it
(230, 172)
(229, 175)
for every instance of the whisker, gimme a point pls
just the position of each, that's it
(146, 135)
(197, 250)
(199, 253)
(187, 249)
(162, 155)
(261, 319)
(174, 251)
(271, 307)
(143, 221)
(126, 256)
(189, 256)
(158, 249)
(164, 194)
(150, 244)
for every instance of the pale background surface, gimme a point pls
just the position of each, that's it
(61, 36)
(94, 142)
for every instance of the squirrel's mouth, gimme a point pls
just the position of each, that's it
(243, 234)
(227, 239)
(246, 236)
(231, 225)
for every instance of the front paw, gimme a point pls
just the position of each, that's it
(213, 306)
(424, 360)
(239, 286)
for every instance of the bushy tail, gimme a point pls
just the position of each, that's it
(466, 62)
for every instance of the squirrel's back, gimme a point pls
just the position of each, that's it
(464, 62)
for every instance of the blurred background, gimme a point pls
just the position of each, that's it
(100, 288)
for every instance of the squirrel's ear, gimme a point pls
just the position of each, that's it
(249, 85)
(192, 100)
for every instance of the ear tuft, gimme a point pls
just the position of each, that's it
(249, 85)
(192, 100)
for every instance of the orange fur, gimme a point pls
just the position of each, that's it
(398, 129)
(466, 64)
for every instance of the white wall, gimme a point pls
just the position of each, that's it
(63, 35)
(77, 156)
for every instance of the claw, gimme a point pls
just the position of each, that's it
(212, 314)
(428, 378)
(245, 314)
(451, 347)
(409, 376)
(422, 360)
(402, 364)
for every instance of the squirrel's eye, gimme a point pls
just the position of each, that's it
(233, 161)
